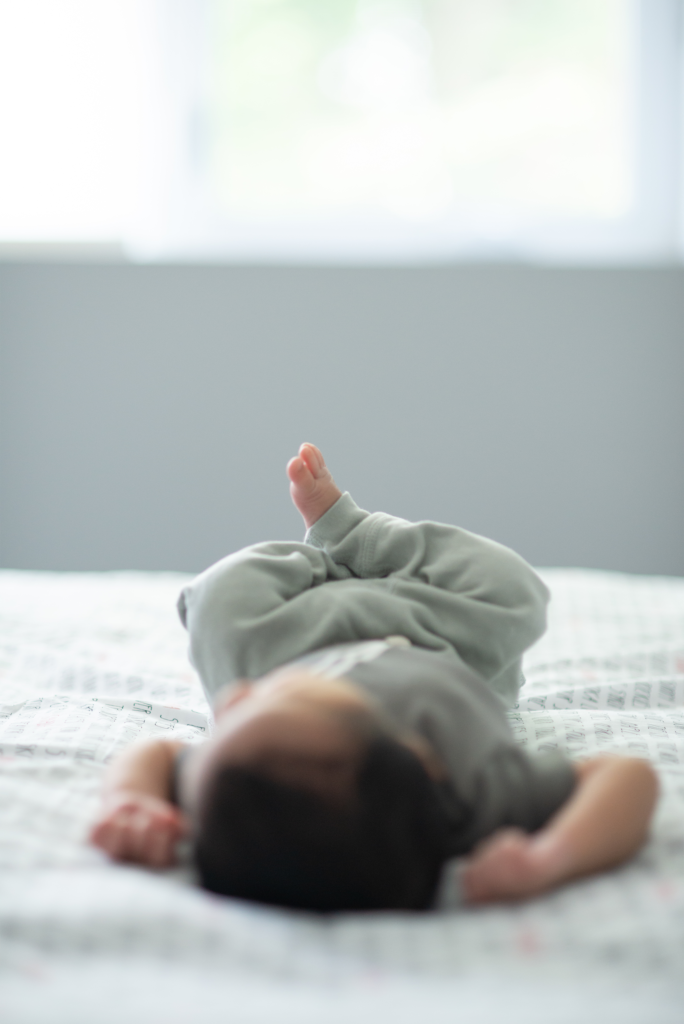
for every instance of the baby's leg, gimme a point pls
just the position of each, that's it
(437, 585)
(453, 588)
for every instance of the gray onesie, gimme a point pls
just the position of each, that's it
(467, 606)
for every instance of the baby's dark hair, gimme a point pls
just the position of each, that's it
(260, 839)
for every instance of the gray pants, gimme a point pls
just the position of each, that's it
(361, 576)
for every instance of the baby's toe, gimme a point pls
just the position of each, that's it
(313, 458)
(299, 473)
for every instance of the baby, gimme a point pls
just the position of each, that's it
(359, 682)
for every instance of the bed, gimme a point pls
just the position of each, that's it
(90, 662)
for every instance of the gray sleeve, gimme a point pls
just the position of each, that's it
(264, 606)
(479, 597)
(514, 788)
(268, 605)
(174, 783)
(255, 610)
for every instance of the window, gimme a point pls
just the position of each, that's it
(74, 84)
(345, 129)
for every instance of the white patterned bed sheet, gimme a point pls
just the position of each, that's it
(91, 662)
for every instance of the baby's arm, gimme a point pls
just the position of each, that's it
(604, 822)
(138, 822)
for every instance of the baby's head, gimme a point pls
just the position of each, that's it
(306, 797)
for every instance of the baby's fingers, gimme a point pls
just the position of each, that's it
(112, 836)
(160, 847)
(100, 836)
(122, 833)
(140, 828)
(499, 869)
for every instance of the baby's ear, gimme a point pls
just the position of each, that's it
(230, 695)
(425, 753)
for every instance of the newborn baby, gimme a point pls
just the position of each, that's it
(359, 682)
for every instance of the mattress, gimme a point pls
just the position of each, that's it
(91, 662)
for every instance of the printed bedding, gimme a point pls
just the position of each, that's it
(91, 662)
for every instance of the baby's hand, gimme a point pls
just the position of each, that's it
(139, 828)
(510, 865)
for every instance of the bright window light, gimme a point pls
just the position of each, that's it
(343, 129)
(422, 108)
(74, 84)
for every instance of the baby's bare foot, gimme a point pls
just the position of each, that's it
(312, 487)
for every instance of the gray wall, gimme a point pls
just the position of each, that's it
(148, 411)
